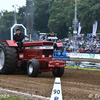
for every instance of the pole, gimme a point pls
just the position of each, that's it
(15, 7)
(75, 23)
(76, 20)
(15, 16)
(15, 19)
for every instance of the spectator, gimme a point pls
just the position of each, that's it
(85, 45)
(85, 35)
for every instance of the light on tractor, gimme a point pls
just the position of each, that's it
(21, 56)
(52, 34)
(43, 55)
(50, 55)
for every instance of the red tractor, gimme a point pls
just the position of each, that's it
(36, 57)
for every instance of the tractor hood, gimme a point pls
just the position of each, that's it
(12, 43)
(38, 43)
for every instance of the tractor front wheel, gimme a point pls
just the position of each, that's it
(33, 67)
(58, 72)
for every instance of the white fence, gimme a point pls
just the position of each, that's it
(84, 55)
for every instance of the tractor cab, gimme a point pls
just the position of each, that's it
(48, 37)
(52, 37)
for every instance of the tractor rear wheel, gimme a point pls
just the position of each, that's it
(58, 72)
(33, 67)
(8, 58)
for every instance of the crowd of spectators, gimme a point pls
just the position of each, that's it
(84, 44)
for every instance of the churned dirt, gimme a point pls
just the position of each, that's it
(76, 84)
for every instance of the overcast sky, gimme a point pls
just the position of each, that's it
(7, 4)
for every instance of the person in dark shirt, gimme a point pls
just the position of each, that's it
(18, 37)
(85, 35)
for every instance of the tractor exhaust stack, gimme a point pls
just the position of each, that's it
(29, 36)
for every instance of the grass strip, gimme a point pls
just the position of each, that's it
(85, 68)
(11, 98)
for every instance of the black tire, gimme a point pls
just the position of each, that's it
(58, 72)
(10, 58)
(34, 64)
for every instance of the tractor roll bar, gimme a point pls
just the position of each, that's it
(25, 31)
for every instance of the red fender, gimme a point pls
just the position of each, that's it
(59, 44)
(11, 43)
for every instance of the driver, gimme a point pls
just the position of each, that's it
(18, 37)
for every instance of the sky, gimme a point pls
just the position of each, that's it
(7, 4)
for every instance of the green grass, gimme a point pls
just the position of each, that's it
(75, 67)
(12, 98)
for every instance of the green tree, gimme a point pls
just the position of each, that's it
(21, 16)
(6, 21)
(61, 16)
(42, 15)
(88, 12)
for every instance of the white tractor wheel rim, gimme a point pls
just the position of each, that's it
(30, 68)
(2, 58)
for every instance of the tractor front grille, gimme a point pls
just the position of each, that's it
(47, 52)
(47, 44)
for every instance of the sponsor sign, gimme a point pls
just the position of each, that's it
(97, 56)
(84, 55)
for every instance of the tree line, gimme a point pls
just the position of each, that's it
(54, 16)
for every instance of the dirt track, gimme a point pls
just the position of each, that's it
(76, 84)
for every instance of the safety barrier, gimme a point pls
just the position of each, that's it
(84, 55)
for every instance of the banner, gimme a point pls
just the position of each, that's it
(84, 55)
(95, 25)
(79, 29)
